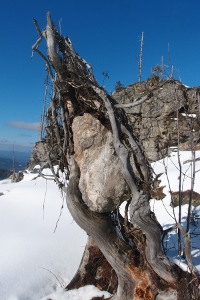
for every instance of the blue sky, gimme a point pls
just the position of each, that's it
(106, 33)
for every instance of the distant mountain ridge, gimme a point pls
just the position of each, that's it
(4, 174)
(6, 160)
(6, 164)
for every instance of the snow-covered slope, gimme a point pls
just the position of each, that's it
(36, 262)
(30, 251)
(164, 211)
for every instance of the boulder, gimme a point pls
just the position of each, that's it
(101, 181)
(39, 155)
(17, 177)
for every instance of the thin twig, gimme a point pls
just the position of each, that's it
(44, 198)
(61, 209)
(62, 284)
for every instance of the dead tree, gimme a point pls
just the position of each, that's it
(123, 255)
(43, 113)
(14, 166)
(140, 63)
(161, 76)
(171, 66)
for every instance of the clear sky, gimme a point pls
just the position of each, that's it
(106, 33)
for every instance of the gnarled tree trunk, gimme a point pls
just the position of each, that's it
(107, 165)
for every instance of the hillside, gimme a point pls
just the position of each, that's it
(29, 212)
(32, 251)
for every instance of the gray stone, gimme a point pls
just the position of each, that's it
(17, 177)
(101, 181)
(154, 121)
(39, 156)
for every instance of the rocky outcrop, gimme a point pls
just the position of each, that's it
(101, 181)
(154, 122)
(39, 155)
(17, 177)
(185, 198)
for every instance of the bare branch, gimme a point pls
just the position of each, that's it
(140, 64)
(187, 242)
(51, 46)
(45, 97)
(35, 46)
(119, 147)
(161, 77)
(180, 173)
(136, 102)
(64, 122)
(139, 207)
(38, 28)
(47, 63)
(54, 117)
(60, 184)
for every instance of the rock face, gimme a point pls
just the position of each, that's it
(101, 182)
(17, 177)
(39, 155)
(154, 122)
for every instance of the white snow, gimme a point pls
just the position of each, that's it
(84, 293)
(29, 248)
(37, 263)
(165, 213)
(189, 115)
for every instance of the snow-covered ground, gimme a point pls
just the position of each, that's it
(35, 259)
(30, 251)
(36, 262)
(164, 211)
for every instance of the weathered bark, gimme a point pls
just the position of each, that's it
(43, 113)
(94, 269)
(187, 243)
(140, 209)
(51, 46)
(132, 249)
(54, 118)
(131, 277)
(102, 231)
